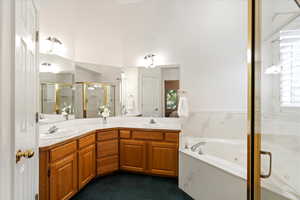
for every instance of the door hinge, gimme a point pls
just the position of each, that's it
(37, 36)
(37, 117)
(36, 197)
(49, 173)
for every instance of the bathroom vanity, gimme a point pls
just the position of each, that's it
(67, 165)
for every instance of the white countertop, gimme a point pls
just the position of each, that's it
(74, 128)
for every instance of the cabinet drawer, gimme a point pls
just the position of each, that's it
(62, 151)
(147, 135)
(172, 137)
(86, 141)
(107, 148)
(107, 165)
(125, 134)
(107, 135)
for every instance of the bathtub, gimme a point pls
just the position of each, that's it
(220, 172)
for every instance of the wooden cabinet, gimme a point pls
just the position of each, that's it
(107, 151)
(63, 178)
(67, 167)
(150, 152)
(86, 165)
(163, 158)
(107, 165)
(107, 148)
(133, 155)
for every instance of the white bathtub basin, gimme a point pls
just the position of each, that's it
(221, 171)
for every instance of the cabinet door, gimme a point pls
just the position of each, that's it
(63, 178)
(163, 158)
(86, 165)
(133, 155)
(107, 148)
(107, 165)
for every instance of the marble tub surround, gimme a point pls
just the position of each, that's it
(74, 128)
(216, 124)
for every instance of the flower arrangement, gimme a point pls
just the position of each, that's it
(66, 111)
(104, 112)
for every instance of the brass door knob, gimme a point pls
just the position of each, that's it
(25, 154)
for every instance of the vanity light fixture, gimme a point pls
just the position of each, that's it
(91, 88)
(149, 61)
(274, 69)
(50, 68)
(45, 67)
(52, 45)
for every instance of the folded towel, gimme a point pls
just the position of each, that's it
(130, 103)
(183, 107)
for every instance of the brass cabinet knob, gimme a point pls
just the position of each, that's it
(25, 154)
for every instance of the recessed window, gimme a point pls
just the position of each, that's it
(290, 75)
(172, 99)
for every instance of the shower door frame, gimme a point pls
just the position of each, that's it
(254, 98)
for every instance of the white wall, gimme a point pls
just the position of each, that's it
(97, 33)
(169, 74)
(57, 20)
(207, 38)
(89, 31)
(58, 63)
(85, 75)
(56, 78)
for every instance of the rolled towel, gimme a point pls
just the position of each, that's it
(183, 107)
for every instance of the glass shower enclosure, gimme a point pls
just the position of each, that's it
(274, 100)
(90, 96)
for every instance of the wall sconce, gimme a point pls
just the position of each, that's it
(52, 45)
(149, 61)
(274, 69)
(48, 67)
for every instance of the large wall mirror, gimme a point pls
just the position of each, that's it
(72, 90)
(150, 92)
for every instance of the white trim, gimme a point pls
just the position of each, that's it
(6, 98)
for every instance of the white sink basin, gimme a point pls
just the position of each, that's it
(60, 133)
(148, 125)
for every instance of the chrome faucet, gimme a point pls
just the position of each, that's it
(52, 129)
(196, 146)
(124, 110)
(152, 121)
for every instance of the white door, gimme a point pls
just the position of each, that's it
(26, 128)
(151, 96)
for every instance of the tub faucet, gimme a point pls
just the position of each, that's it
(200, 152)
(196, 146)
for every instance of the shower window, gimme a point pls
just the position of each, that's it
(290, 75)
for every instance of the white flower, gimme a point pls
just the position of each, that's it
(104, 111)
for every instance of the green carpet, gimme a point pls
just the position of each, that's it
(125, 186)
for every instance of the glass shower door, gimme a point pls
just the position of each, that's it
(274, 100)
